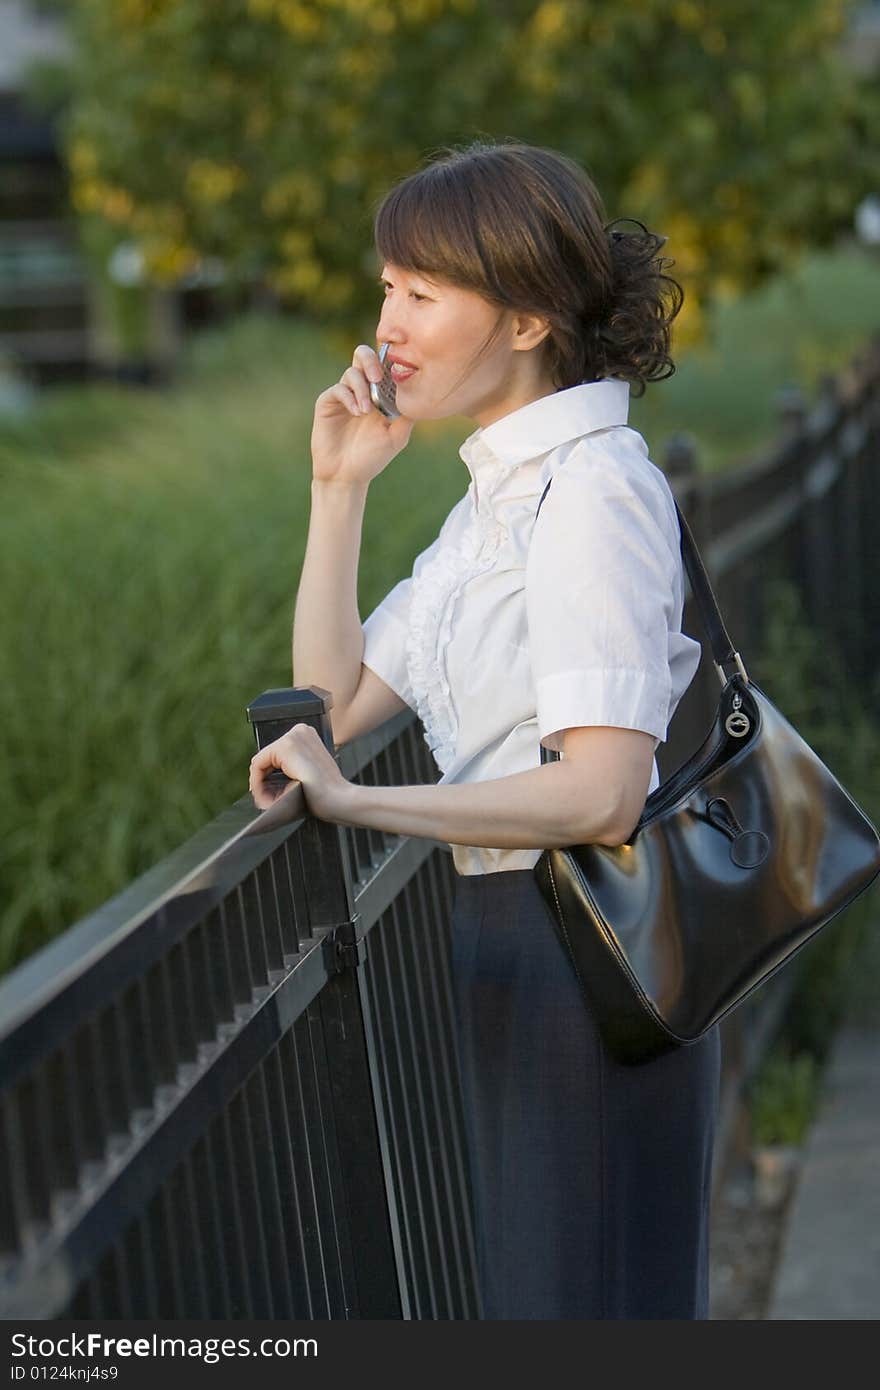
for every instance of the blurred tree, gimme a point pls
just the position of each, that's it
(264, 132)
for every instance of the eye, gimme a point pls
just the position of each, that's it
(385, 285)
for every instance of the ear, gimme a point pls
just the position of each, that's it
(528, 331)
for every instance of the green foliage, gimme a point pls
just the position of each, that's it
(783, 1098)
(798, 670)
(265, 132)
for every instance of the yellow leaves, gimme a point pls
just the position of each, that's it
(210, 182)
(167, 260)
(344, 169)
(306, 282)
(165, 220)
(135, 12)
(337, 290)
(357, 63)
(82, 157)
(687, 14)
(382, 20)
(425, 11)
(296, 244)
(733, 238)
(695, 18)
(726, 288)
(835, 17)
(109, 201)
(550, 21)
(303, 278)
(684, 244)
(85, 195)
(540, 79)
(117, 205)
(342, 119)
(300, 20)
(685, 248)
(689, 325)
(749, 95)
(647, 183)
(548, 29)
(297, 191)
(302, 274)
(713, 40)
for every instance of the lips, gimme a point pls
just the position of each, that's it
(401, 370)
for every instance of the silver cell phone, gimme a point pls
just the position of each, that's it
(383, 393)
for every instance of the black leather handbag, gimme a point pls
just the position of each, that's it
(738, 859)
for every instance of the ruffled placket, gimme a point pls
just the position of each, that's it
(433, 596)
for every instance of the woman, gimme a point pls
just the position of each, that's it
(508, 301)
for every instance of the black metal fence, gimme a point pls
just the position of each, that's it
(232, 1091)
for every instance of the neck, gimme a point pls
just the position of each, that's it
(510, 400)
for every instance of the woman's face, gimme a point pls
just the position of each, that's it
(440, 328)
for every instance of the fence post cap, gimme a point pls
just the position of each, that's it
(791, 405)
(680, 456)
(294, 703)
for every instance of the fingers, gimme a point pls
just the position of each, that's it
(266, 758)
(353, 388)
(277, 754)
(359, 387)
(364, 369)
(367, 359)
(345, 395)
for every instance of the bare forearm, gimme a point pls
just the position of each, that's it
(546, 807)
(327, 636)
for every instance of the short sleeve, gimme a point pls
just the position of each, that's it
(601, 598)
(385, 640)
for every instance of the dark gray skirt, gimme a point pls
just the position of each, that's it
(591, 1178)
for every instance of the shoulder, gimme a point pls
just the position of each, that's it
(607, 478)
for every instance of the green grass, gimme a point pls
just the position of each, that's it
(150, 547)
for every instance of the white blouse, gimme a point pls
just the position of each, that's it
(508, 631)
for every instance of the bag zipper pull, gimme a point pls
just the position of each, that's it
(737, 722)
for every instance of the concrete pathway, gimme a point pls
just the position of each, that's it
(829, 1266)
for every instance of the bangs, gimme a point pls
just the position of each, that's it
(430, 223)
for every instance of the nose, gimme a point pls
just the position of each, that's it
(389, 329)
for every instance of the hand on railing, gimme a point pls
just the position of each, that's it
(302, 756)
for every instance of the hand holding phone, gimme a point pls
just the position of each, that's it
(383, 393)
(348, 443)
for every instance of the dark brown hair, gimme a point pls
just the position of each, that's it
(525, 228)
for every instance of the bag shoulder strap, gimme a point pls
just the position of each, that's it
(723, 652)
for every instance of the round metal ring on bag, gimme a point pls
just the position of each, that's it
(737, 724)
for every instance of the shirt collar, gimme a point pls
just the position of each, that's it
(540, 426)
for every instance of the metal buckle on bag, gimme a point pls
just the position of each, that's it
(742, 670)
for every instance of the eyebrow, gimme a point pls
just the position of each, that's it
(419, 275)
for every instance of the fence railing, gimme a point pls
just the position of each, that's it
(232, 1091)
